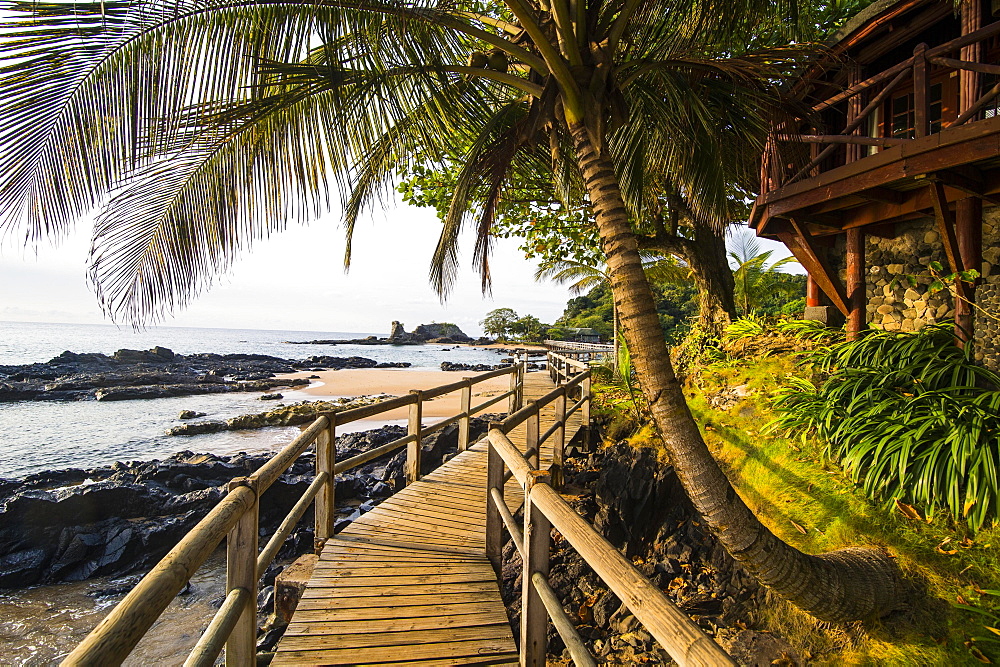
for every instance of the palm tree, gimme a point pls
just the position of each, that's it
(200, 126)
(755, 279)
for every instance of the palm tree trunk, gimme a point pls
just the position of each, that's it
(844, 585)
(709, 266)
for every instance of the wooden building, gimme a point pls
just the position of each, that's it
(896, 167)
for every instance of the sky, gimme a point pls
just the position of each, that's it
(295, 281)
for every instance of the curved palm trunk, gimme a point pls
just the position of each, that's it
(845, 585)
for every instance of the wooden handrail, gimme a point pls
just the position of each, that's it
(115, 636)
(571, 638)
(676, 633)
(235, 516)
(273, 546)
(210, 645)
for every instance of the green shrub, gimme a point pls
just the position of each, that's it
(909, 416)
(809, 330)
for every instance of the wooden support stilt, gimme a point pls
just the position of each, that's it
(812, 292)
(855, 282)
(969, 233)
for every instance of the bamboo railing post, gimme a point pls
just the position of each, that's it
(534, 619)
(413, 448)
(326, 461)
(531, 430)
(585, 411)
(494, 523)
(241, 572)
(559, 442)
(465, 408)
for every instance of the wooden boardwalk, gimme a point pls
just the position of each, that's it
(409, 582)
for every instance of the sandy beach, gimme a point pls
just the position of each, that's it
(399, 381)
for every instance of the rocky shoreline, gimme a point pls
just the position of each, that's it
(70, 525)
(159, 373)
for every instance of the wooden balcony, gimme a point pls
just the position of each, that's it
(930, 119)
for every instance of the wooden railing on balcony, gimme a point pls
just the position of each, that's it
(235, 518)
(781, 166)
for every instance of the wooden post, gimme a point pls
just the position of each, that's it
(920, 105)
(465, 408)
(494, 523)
(585, 412)
(413, 448)
(968, 80)
(559, 441)
(531, 436)
(512, 401)
(853, 111)
(241, 572)
(855, 282)
(812, 291)
(534, 620)
(326, 461)
(969, 233)
(522, 367)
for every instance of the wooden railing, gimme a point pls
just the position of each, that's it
(578, 351)
(235, 518)
(779, 168)
(544, 509)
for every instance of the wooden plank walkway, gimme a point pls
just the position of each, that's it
(409, 583)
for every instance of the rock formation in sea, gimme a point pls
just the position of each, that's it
(435, 332)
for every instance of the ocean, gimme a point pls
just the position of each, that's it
(47, 435)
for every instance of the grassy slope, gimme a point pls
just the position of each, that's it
(793, 490)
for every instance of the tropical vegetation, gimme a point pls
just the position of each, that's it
(911, 416)
(200, 127)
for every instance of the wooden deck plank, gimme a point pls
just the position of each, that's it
(396, 625)
(381, 602)
(408, 583)
(378, 613)
(398, 640)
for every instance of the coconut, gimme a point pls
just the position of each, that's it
(498, 60)
(478, 59)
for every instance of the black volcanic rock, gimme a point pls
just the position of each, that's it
(155, 373)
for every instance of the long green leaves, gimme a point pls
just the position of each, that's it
(910, 416)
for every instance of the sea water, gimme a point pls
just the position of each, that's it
(49, 435)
